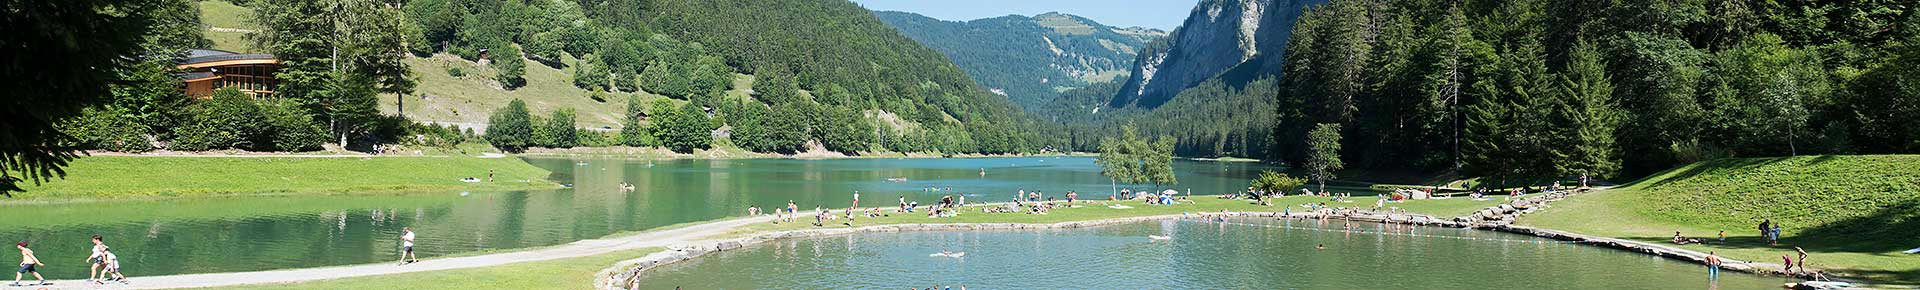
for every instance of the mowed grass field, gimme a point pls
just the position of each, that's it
(569, 273)
(114, 177)
(1854, 214)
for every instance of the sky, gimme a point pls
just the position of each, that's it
(1162, 14)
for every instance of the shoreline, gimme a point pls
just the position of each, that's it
(657, 153)
(688, 241)
(1499, 218)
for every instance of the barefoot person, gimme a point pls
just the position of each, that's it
(1713, 267)
(96, 260)
(406, 242)
(1803, 258)
(27, 264)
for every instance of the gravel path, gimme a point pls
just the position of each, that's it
(581, 248)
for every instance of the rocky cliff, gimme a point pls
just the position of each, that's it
(1029, 59)
(1235, 39)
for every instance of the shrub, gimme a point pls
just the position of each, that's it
(227, 120)
(101, 128)
(456, 72)
(291, 128)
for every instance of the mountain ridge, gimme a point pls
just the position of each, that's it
(1030, 59)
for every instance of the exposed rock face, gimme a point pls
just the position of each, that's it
(1217, 36)
(1029, 58)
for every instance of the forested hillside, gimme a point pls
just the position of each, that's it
(1552, 88)
(849, 59)
(1029, 59)
(825, 75)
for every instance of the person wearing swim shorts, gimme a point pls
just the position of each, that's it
(28, 263)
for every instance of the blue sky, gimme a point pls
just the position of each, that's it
(1162, 14)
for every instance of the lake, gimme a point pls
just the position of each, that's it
(248, 233)
(1236, 254)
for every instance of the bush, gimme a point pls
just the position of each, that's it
(291, 128)
(232, 120)
(227, 120)
(456, 72)
(511, 127)
(588, 138)
(100, 128)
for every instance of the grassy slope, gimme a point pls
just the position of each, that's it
(222, 14)
(1852, 213)
(570, 273)
(1098, 210)
(145, 176)
(469, 99)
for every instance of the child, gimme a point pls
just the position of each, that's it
(27, 264)
(113, 267)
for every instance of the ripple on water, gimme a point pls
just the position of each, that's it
(1241, 254)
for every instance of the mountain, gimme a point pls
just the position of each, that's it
(1029, 59)
(846, 57)
(1219, 36)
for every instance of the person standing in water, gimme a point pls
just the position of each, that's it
(1713, 267)
(406, 243)
(27, 264)
(856, 199)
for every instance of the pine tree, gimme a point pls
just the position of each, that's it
(1589, 115)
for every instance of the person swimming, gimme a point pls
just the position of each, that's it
(1320, 247)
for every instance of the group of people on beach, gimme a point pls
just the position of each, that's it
(102, 265)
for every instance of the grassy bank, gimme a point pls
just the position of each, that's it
(1852, 213)
(569, 273)
(117, 177)
(1098, 210)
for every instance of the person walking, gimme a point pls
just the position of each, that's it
(96, 260)
(406, 244)
(113, 268)
(1803, 258)
(28, 263)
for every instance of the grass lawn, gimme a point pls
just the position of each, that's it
(1853, 214)
(111, 177)
(570, 273)
(1097, 210)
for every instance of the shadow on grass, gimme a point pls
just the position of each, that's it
(1704, 167)
(1891, 228)
(1887, 230)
